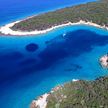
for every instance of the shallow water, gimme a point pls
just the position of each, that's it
(31, 66)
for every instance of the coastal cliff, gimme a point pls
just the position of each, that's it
(78, 94)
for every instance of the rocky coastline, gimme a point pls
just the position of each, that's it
(104, 61)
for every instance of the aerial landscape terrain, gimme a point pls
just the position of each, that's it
(54, 54)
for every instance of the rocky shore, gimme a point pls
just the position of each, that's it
(104, 61)
(81, 94)
(41, 101)
(76, 94)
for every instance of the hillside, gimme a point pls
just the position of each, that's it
(81, 94)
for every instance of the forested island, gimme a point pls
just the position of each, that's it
(96, 12)
(92, 13)
(78, 94)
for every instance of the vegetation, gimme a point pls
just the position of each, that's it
(96, 12)
(81, 94)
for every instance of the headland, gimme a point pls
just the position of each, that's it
(77, 94)
(93, 14)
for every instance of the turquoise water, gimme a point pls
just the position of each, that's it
(32, 65)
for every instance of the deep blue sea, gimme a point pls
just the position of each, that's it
(32, 65)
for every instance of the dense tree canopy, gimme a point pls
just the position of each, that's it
(96, 12)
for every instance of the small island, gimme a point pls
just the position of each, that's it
(76, 94)
(93, 14)
(104, 61)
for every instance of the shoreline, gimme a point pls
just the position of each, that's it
(41, 101)
(6, 29)
(104, 61)
(72, 94)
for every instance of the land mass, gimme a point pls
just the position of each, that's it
(104, 61)
(97, 12)
(93, 13)
(76, 94)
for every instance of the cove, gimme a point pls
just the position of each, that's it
(32, 65)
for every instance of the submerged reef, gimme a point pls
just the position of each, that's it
(31, 47)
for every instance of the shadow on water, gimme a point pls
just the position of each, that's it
(14, 65)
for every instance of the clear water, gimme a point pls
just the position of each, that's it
(32, 65)
(12, 10)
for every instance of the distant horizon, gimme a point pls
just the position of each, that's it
(31, 66)
(14, 10)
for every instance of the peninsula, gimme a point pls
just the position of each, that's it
(93, 13)
(76, 94)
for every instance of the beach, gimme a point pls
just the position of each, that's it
(6, 29)
(41, 101)
(22, 80)
(32, 82)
